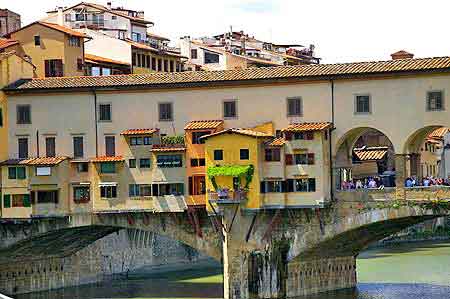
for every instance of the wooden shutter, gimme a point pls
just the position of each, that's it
(310, 158)
(155, 189)
(289, 159)
(6, 201)
(26, 200)
(290, 185)
(191, 186)
(59, 68)
(47, 68)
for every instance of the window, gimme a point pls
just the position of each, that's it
(43, 171)
(176, 189)
(108, 168)
(121, 35)
(135, 190)
(273, 154)
(153, 63)
(106, 71)
(148, 140)
(79, 64)
(218, 155)
(83, 167)
(435, 101)
(304, 159)
(80, 17)
(108, 191)
(166, 65)
(211, 58)
(81, 194)
(194, 54)
(110, 146)
(37, 40)
(272, 186)
(74, 41)
(20, 200)
(16, 173)
(294, 107)
(136, 141)
(197, 185)
(113, 17)
(47, 197)
(197, 162)
(23, 148)
(301, 185)
(172, 66)
(54, 68)
(196, 137)
(160, 65)
(104, 112)
(165, 111)
(50, 144)
(362, 104)
(23, 114)
(144, 163)
(244, 154)
(229, 109)
(132, 163)
(68, 17)
(169, 161)
(147, 59)
(95, 71)
(309, 135)
(78, 151)
(136, 37)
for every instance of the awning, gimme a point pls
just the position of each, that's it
(44, 187)
(365, 169)
(169, 203)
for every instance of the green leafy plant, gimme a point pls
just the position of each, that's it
(178, 139)
(237, 171)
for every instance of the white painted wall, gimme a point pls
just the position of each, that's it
(106, 46)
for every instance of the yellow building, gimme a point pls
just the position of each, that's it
(55, 50)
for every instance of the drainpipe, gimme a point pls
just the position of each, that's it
(96, 122)
(37, 143)
(331, 142)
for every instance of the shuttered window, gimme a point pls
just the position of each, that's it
(165, 112)
(23, 148)
(50, 146)
(294, 107)
(230, 109)
(362, 104)
(54, 68)
(78, 151)
(110, 146)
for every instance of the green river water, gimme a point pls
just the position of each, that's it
(407, 271)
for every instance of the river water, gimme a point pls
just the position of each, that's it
(407, 271)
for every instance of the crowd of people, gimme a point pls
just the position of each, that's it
(367, 183)
(426, 182)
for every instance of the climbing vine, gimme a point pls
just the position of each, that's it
(178, 139)
(237, 171)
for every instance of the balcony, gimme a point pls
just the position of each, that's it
(227, 196)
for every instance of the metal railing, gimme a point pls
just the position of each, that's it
(227, 195)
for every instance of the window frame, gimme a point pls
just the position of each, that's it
(300, 99)
(356, 97)
(146, 165)
(132, 163)
(106, 192)
(244, 154)
(173, 162)
(217, 151)
(113, 170)
(75, 152)
(427, 98)
(81, 200)
(196, 139)
(273, 153)
(19, 120)
(37, 40)
(99, 112)
(50, 148)
(236, 112)
(171, 118)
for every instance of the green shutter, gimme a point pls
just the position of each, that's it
(12, 174)
(21, 173)
(7, 201)
(181, 189)
(26, 200)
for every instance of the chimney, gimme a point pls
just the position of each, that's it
(59, 16)
(402, 54)
(109, 4)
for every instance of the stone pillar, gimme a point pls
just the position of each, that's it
(416, 168)
(306, 278)
(400, 170)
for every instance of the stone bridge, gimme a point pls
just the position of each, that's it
(268, 254)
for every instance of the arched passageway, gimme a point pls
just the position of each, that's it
(364, 155)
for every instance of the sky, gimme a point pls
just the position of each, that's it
(341, 30)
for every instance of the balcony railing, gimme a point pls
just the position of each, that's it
(227, 195)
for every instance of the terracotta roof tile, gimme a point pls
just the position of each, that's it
(98, 59)
(5, 43)
(139, 132)
(303, 127)
(370, 153)
(201, 78)
(44, 161)
(203, 124)
(105, 159)
(277, 142)
(168, 148)
(246, 132)
(63, 29)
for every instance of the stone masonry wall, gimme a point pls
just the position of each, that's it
(118, 253)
